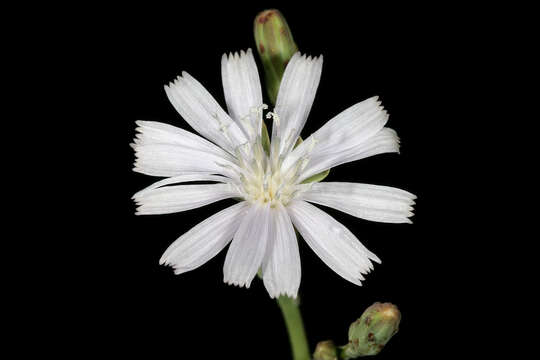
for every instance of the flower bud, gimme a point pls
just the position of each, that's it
(369, 334)
(325, 350)
(275, 45)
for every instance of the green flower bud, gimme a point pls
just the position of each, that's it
(369, 334)
(275, 45)
(325, 350)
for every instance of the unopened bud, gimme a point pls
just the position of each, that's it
(275, 45)
(325, 350)
(369, 334)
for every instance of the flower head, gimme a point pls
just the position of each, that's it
(231, 155)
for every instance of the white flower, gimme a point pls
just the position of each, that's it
(270, 185)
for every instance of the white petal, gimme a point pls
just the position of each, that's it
(348, 130)
(295, 98)
(173, 160)
(242, 89)
(204, 241)
(178, 198)
(386, 140)
(152, 133)
(281, 268)
(165, 150)
(370, 202)
(351, 127)
(249, 246)
(187, 177)
(331, 241)
(203, 112)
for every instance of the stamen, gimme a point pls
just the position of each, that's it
(246, 122)
(259, 154)
(258, 109)
(277, 120)
(275, 117)
(289, 142)
(274, 153)
(292, 132)
(260, 175)
(224, 128)
(253, 126)
(314, 142)
(226, 166)
(304, 162)
(265, 182)
(300, 188)
(300, 166)
(241, 152)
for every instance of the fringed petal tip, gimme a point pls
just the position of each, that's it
(411, 202)
(163, 261)
(177, 270)
(289, 294)
(305, 57)
(176, 267)
(184, 75)
(235, 55)
(239, 284)
(360, 277)
(374, 258)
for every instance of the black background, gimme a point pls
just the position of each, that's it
(414, 62)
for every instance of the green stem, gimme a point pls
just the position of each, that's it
(295, 327)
